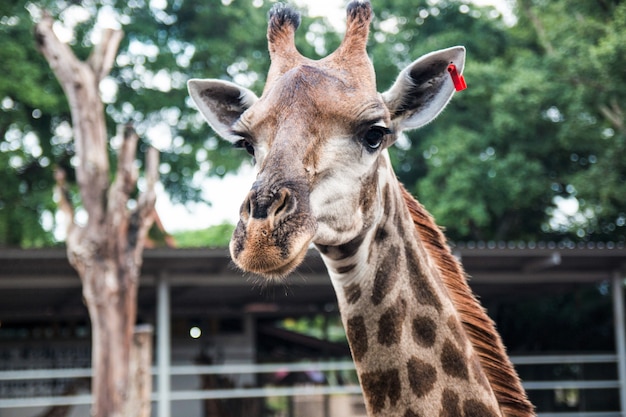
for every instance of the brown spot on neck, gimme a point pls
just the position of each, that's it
(381, 235)
(344, 251)
(380, 386)
(386, 275)
(422, 377)
(473, 408)
(357, 337)
(424, 292)
(424, 331)
(352, 293)
(390, 324)
(369, 192)
(450, 406)
(453, 361)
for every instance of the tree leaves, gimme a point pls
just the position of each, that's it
(545, 102)
(545, 97)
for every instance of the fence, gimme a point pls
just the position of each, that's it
(21, 376)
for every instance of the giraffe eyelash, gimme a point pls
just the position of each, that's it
(245, 144)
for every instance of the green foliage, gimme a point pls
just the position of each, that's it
(183, 40)
(581, 60)
(26, 98)
(213, 237)
(533, 128)
(322, 327)
(542, 120)
(593, 109)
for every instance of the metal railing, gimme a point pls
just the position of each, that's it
(199, 370)
(562, 360)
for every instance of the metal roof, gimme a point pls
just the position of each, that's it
(40, 283)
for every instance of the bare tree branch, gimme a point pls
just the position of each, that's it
(65, 204)
(615, 115)
(58, 54)
(125, 177)
(148, 197)
(80, 85)
(145, 208)
(103, 55)
(124, 184)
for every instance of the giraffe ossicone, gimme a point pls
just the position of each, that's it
(319, 133)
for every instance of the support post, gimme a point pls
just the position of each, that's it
(138, 403)
(163, 345)
(620, 336)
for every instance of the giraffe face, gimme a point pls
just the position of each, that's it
(318, 135)
(326, 143)
(316, 156)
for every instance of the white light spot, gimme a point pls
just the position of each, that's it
(390, 25)
(160, 136)
(47, 220)
(63, 33)
(82, 217)
(158, 4)
(108, 18)
(7, 103)
(195, 332)
(108, 90)
(162, 81)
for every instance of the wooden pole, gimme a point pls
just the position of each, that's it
(138, 404)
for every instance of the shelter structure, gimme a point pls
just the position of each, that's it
(221, 342)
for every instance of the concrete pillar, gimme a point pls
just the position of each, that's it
(620, 336)
(164, 354)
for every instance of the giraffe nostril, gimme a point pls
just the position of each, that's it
(283, 203)
(272, 206)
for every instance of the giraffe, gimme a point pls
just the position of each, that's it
(318, 134)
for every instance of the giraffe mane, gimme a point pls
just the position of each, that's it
(479, 328)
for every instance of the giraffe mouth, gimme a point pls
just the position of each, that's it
(279, 271)
(272, 254)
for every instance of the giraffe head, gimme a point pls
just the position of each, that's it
(318, 135)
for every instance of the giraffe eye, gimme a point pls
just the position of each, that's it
(375, 136)
(245, 144)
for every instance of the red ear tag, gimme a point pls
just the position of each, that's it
(457, 79)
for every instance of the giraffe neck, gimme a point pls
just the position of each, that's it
(412, 355)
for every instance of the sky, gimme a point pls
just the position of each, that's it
(335, 12)
(226, 195)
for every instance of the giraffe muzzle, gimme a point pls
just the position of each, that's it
(274, 231)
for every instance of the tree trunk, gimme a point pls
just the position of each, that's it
(112, 310)
(138, 404)
(107, 251)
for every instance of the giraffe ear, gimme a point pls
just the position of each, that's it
(423, 89)
(221, 103)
